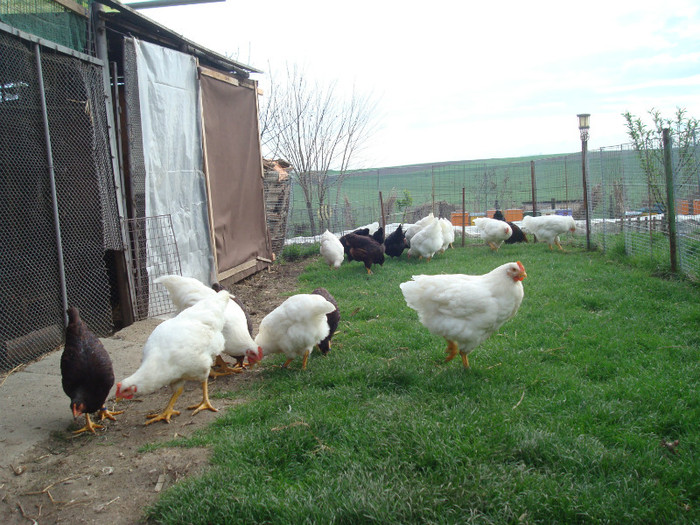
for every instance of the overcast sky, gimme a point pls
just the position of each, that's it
(457, 80)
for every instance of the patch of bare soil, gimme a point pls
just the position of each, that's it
(104, 478)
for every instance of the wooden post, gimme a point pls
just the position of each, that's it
(464, 221)
(382, 221)
(432, 176)
(534, 188)
(670, 199)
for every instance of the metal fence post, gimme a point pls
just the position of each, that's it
(670, 198)
(584, 156)
(52, 185)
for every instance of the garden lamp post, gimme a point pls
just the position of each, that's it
(584, 123)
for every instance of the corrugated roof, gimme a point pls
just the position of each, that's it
(132, 22)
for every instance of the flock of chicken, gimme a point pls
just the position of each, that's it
(189, 346)
(463, 309)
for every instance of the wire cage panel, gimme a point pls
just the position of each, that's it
(158, 256)
(31, 310)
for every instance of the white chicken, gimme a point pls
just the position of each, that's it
(466, 309)
(493, 231)
(332, 250)
(411, 229)
(186, 291)
(295, 326)
(548, 228)
(448, 234)
(180, 349)
(427, 241)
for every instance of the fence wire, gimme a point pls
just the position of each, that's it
(626, 212)
(157, 255)
(31, 314)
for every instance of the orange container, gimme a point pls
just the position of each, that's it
(475, 216)
(459, 218)
(490, 213)
(513, 215)
(682, 207)
(696, 207)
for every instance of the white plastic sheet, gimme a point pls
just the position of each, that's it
(172, 145)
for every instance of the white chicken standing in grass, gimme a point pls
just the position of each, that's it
(448, 234)
(427, 240)
(294, 327)
(466, 309)
(332, 250)
(180, 349)
(186, 291)
(548, 228)
(493, 231)
(411, 229)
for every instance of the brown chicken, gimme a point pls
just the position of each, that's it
(86, 372)
(363, 248)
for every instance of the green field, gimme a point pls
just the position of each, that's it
(568, 415)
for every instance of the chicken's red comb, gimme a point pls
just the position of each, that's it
(253, 356)
(520, 265)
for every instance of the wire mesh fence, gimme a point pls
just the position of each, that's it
(626, 211)
(155, 250)
(32, 219)
(62, 22)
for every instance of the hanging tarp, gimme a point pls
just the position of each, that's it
(234, 170)
(172, 149)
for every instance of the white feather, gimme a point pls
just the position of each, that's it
(295, 326)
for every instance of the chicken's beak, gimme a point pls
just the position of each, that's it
(77, 410)
(521, 274)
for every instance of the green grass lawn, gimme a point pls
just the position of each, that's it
(559, 420)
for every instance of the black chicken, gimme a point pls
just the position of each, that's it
(333, 320)
(362, 248)
(377, 235)
(518, 235)
(86, 372)
(396, 242)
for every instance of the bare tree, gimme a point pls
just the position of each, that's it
(319, 133)
(647, 141)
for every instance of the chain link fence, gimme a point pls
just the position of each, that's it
(36, 228)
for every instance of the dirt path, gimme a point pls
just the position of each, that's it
(105, 478)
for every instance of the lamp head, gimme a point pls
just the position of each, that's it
(584, 124)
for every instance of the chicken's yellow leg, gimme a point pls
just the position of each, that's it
(89, 426)
(286, 363)
(452, 350)
(205, 400)
(223, 369)
(369, 272)
(166, 414)
(556, 241)
(108, 414)
(306, 358)
(465, 360)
